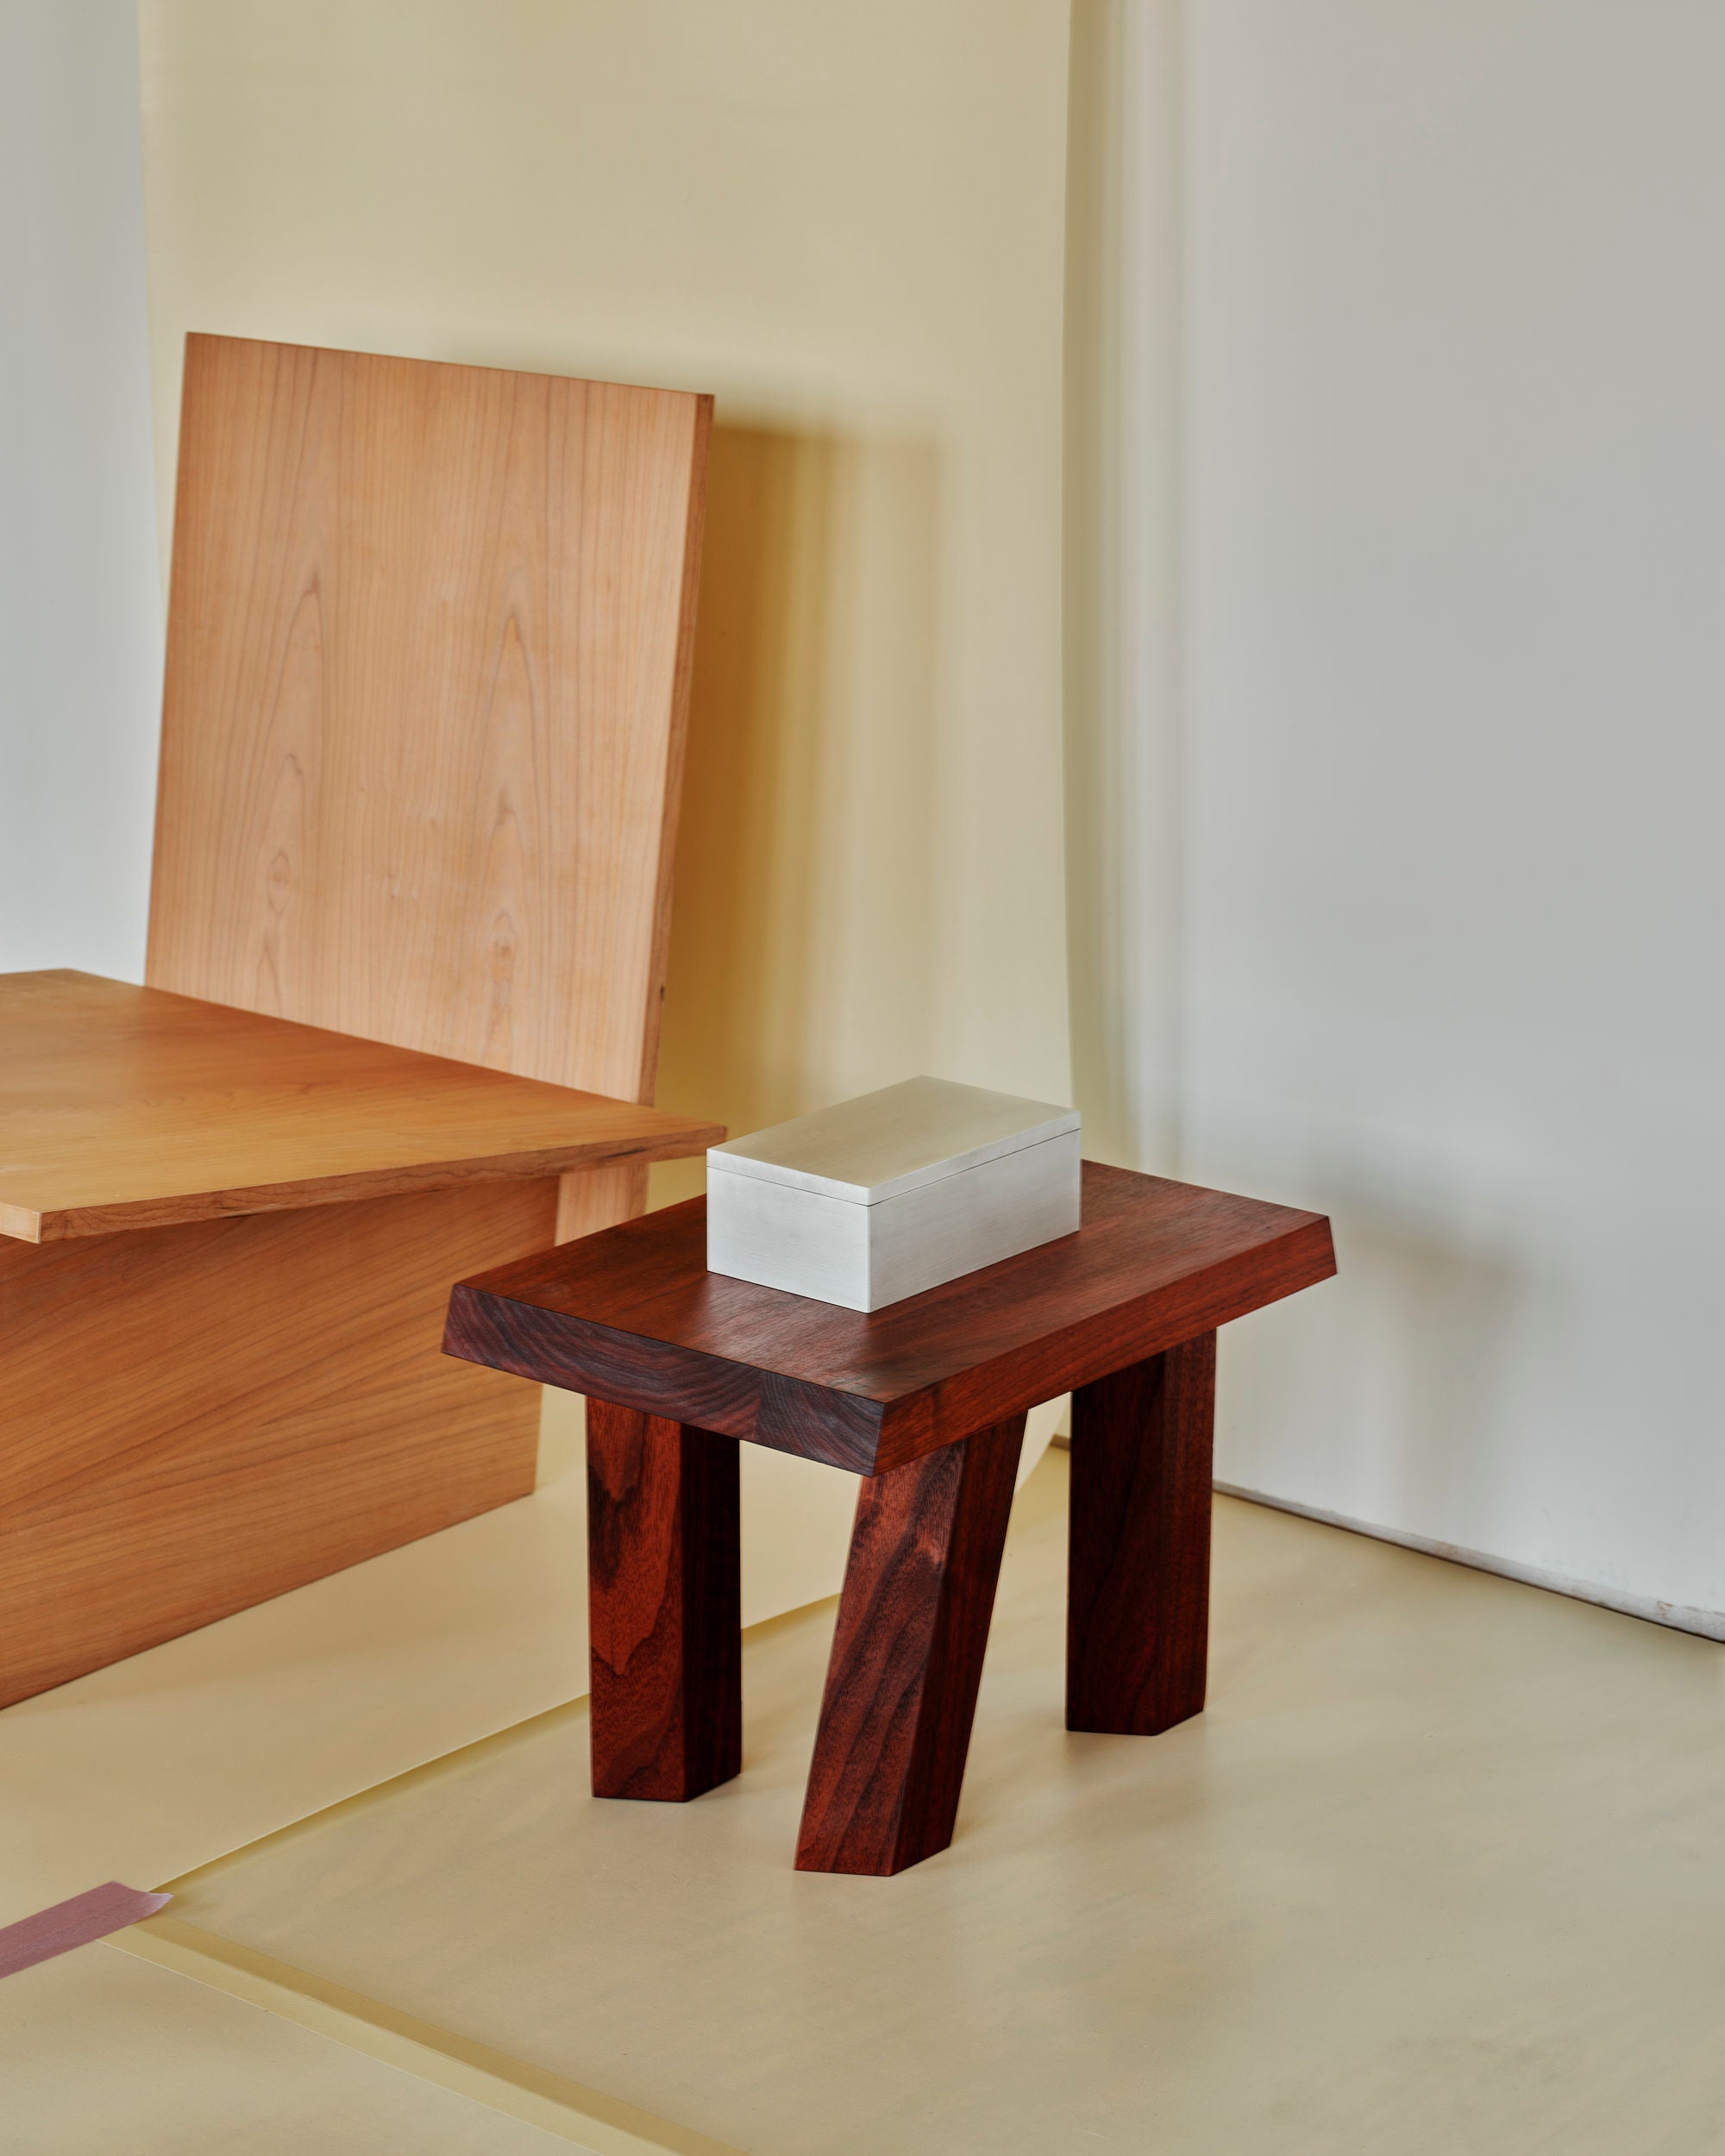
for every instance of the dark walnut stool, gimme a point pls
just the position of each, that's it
(925, 1399)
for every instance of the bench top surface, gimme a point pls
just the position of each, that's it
(123, 1108)
(633, 1316)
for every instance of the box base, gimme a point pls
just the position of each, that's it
(867, 1258)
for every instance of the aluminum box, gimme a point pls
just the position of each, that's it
(886, 1195)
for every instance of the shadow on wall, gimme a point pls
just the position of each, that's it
(802, 954)
(1123, 534)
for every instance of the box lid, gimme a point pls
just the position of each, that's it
(883, 1144)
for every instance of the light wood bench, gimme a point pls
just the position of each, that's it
(428, 651)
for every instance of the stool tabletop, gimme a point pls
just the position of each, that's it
(632, 1315)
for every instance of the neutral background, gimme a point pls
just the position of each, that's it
(80, 593)
(1394, 654)
(846, 223)
(1426, 497)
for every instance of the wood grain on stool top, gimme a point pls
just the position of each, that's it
(634, 1316)
(124, 1107)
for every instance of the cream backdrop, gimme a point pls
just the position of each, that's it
(847, 221)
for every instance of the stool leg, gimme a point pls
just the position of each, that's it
(665, 1607)
(907, 1657)
(1139, 1580)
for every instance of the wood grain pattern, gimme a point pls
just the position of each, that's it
(908, 1657)
(123, 1108)
(634, 1316)
(427, 665)
(926, 1401)
(199, 1417)
(1138, 1573)
(429, 654)
(590, 1199)
(665, 1596)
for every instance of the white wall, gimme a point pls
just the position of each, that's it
(80, 591)
(1454, 741)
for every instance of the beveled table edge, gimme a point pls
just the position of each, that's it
(865, 1432)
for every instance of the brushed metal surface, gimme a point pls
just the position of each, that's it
(882, 1144)
(865, 1257)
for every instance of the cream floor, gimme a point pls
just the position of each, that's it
(211, 1741)
(208, 1742)
(103, 2055)
(1441, 1870)
(203, 1745)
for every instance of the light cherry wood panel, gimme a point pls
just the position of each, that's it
(127, 1108)
(427, 675)
(596, 1198)
(202, 1416)
(429, 652)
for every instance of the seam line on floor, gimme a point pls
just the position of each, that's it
(585, 2116)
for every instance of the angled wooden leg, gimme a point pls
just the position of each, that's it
(907, 1657)
(665, 1606)
(1139, 1583)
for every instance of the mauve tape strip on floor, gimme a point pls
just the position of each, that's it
(105, 1909)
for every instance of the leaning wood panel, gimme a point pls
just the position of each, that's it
(426, 675)
(199, 1417)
